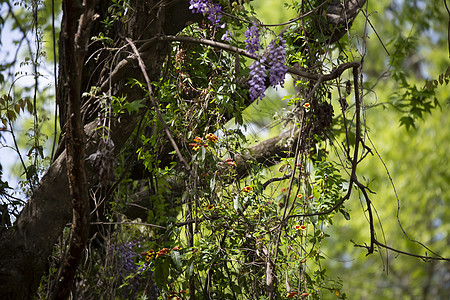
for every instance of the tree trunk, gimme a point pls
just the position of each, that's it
(24, 249)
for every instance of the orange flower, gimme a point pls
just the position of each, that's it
(305, 294)
(195, 146)
(176, 248)
(211, 137)
(247, 189)
(198, 140)
(149, 255)
(230, 162)
(291, 294)
(307, 105)
(210, 207)
(300, 196)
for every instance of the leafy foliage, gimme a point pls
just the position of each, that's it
(219, 217)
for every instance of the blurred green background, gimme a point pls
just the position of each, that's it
(416, 159)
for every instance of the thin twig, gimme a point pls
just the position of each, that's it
(156, 105)
(410, 254)
(274, 179)
(279, 24)
(128, 223)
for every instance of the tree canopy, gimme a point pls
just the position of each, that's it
(208, 149)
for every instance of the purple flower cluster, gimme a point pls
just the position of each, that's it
(277, 68)
(252, 39)
(277, 62)
(215, 14)
(124, 257)
(198, 6)
(257, 80)
(213, 10)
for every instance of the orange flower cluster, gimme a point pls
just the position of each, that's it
(151, 254)
(162, 252)
(199, 141)
(247, 189)
(300, 227)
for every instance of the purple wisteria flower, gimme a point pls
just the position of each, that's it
(124, 263)
(226, 36)
(198, 6)
(212, 10)
(277, 62)
(252, 39)
(257, 81)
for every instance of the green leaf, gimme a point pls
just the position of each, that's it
(407, 121)
(190, 270)
(176, 258)
(212, 183)
(345, 214)
(29, 105)
(134, 106)
(161, 272)
(11, 115)
(237, 204)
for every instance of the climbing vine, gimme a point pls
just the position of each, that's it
(192, 206)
